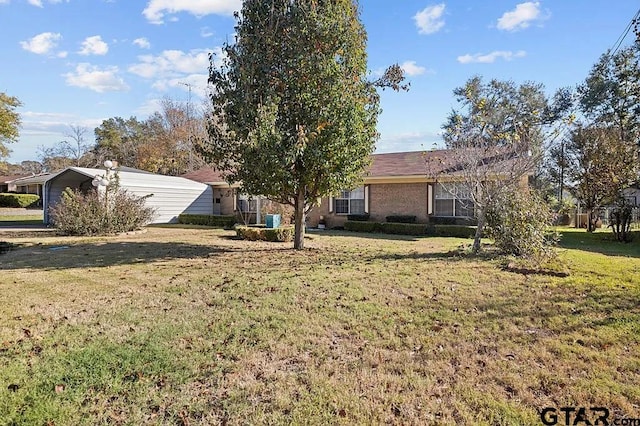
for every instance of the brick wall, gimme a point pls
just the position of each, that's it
(398, 199)
(384, 200)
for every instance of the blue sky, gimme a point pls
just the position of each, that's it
(78, 62)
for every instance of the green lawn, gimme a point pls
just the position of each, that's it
(26, 217)
(190, 326)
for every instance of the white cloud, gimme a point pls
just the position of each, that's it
(430, 19)
(157, 9)
(490, 57)
(94, 46)
(42, 44)
(149, 107)
(99, 80)
(142, 43)
(37, 3)
(411, 68)
(171, 63)
(521, 17)
(205, 32)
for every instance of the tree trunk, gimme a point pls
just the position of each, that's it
(298, 242)
(590, 225)
(478, 237)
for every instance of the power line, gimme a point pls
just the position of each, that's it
(624, 34)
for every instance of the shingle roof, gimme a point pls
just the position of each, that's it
(9, 178)
(396, 164)
(205, 175)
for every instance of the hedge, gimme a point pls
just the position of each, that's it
(253, 233)
(455, 231)
(448, 220)
(225, 222)
(415, 229)
(358, 226)
(360, 217)
(18, 200)
(407, 228)
(401, 218)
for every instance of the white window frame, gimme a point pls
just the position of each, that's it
(454, 192)
(357, 194)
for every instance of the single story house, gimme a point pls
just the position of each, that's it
(170, 195)
(227, 199)
(399, 183)
(31, 184)
(6, 183)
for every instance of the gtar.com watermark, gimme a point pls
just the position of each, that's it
(587, 416)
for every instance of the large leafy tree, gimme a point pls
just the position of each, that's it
(163, 143)
(610, 94)
(293, 116)
(118, 139)
(601, 166)
(498, 138)
(604, 147)
(9, 122)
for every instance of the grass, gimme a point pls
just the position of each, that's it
(25, 217)
(191, 326)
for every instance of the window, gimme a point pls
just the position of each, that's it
(350, 202)
(453, 199)
(246, 203)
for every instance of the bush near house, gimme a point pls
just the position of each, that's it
(94, 214)
(416, 229)
(459, 231)
(401, 218)
(358, 226)
(226, 221)
(18, 200)
(362, 217)
(252, 233)
(447, 220)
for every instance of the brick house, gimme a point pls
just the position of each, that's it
(400, 184)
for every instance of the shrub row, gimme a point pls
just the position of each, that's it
(18, 200)
(401, 218)
(460, 231)
(362, 217)
(252, 233)
(446, 220)
(416, 229)
(225, 222)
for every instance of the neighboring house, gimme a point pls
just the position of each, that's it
(31, 184)
(170, 195)
(6, 183)
(632, 194)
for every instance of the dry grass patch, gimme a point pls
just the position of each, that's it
(191, 326)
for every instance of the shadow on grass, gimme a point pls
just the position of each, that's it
(602, 242)
(27, 222)
(103, 254)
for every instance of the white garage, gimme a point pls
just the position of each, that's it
(170, 195)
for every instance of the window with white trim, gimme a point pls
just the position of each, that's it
(453, 199)
(350, 202)
(246, 203)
